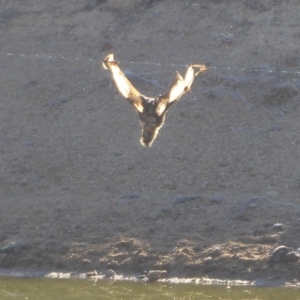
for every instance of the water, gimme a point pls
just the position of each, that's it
(69, 289)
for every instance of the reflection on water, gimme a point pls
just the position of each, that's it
(42, 289)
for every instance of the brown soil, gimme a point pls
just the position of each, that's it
(79, 192)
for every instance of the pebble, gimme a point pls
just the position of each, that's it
(92, 274)
(13, 247)
(215, 199)
(110, 273)
(86, 261)
(154, 275)
(282, 254)
(207, 260)
(278, 226)
(183, 199)
(216, 252)
(130, 196)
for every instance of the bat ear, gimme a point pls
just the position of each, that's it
(108, 59)
(162, 105)
(191, 73)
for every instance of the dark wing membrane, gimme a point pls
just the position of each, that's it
(124, 86)
(179, 87)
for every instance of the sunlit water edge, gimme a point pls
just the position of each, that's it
(39, 285)
(135, 278)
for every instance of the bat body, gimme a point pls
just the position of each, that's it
(152, 111)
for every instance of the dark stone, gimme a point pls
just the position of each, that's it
(278, 227)
(154, 275)
(283, 254)
(216, 252)
(110, 273)
(183, 199)
(216, 199)
(13, 247)
(131, 196)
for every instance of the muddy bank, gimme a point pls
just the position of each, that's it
(234, 262)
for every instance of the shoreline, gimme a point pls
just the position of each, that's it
(143, 278)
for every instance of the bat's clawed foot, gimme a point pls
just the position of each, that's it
(201, 68)
(108, 59)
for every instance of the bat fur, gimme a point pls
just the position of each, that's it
(152, 111)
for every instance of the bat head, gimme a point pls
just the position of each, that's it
(151, 122)
(109, 59)
(150, 128)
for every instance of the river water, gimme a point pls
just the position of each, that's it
(67, 289)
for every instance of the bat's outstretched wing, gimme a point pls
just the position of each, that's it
(179, 87)
(124, 86)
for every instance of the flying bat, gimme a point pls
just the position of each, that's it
(152, 111)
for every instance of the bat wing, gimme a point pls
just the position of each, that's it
(124, 86)
(179, 87)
